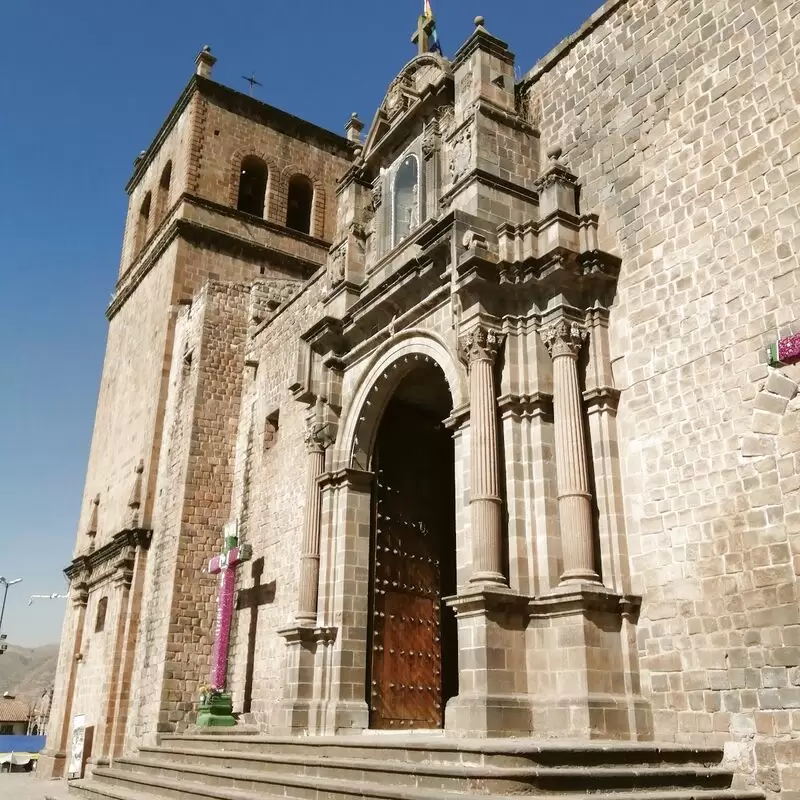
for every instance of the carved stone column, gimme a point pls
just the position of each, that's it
(309, 559)
(478, 350)
(564, 340)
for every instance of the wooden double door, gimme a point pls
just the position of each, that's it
(413, 663)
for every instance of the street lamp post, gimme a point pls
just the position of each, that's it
(5, 583)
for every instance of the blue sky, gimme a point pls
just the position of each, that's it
(84, 86)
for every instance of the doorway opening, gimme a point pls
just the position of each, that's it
(413, 650)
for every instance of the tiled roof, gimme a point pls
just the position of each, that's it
(13, 710)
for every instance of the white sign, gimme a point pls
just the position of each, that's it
(77, 745)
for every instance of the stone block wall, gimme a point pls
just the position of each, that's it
(269, 496)
(682, 120)
(127, 417)
(195, 486)
(96, 656)
(231, 133)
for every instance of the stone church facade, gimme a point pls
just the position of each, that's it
(484, 387)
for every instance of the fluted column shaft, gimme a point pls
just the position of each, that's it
(478, 350)
(564, 340)
(309, 559)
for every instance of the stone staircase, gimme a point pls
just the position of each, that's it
(410, 767)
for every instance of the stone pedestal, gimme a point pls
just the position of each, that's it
(578, 666)
(492, 698)
(299, 710)
(216, 711)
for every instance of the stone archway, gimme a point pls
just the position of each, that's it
(412, 648)
(348, 514)
(396, 359)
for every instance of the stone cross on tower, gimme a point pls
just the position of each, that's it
(216, 707)
(421, 36)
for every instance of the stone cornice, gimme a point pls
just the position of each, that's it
(536, 404)
(359, 480)
(498, 114)
(602, 398)
(88, 563)
(493, 181)
(197, 232)
(481, 39)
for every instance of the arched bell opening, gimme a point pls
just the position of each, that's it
(412, 668)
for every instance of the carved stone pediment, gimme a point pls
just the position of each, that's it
(422, 76)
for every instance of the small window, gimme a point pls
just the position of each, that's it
(100, 620)
(163, 191)
(252, 186)
(6, 730)
(301, 200)
(405, 199)
(143, 222)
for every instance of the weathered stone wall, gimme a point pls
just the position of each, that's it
(269, 496)
(127, 414)
(200, 425)
(681, 119)
(96, 654)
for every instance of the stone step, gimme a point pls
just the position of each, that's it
(97, 790)
(447, 776)
(442, 749)
(207, 786)
(103, 790)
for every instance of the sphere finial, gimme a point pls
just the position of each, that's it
(554, 152)
(480, 21)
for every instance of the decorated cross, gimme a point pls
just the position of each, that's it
(784, 351)
(225, 565)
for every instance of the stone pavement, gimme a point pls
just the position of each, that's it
(25, 786)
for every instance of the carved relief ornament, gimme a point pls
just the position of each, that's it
(460, 154)
(480, 344)
(564, 338)
(336, 272)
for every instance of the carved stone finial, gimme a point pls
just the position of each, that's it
(480, 344)
(354, 127)
(480, 21)
(564, 338)
(204, 63)
(554, 152)
(91, 530)
(135, 500)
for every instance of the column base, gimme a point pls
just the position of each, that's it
(345, 716)
(300, 711)
(51, 764)
(583, 680)
(216, 712)
(484, 716)
(492, 699)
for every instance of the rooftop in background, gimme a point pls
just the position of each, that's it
(13, 710)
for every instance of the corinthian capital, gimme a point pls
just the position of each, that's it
(564, 338)
(315, 437)
(480, 344)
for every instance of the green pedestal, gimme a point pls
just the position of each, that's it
(215, 711)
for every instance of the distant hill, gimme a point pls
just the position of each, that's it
(26, 672)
